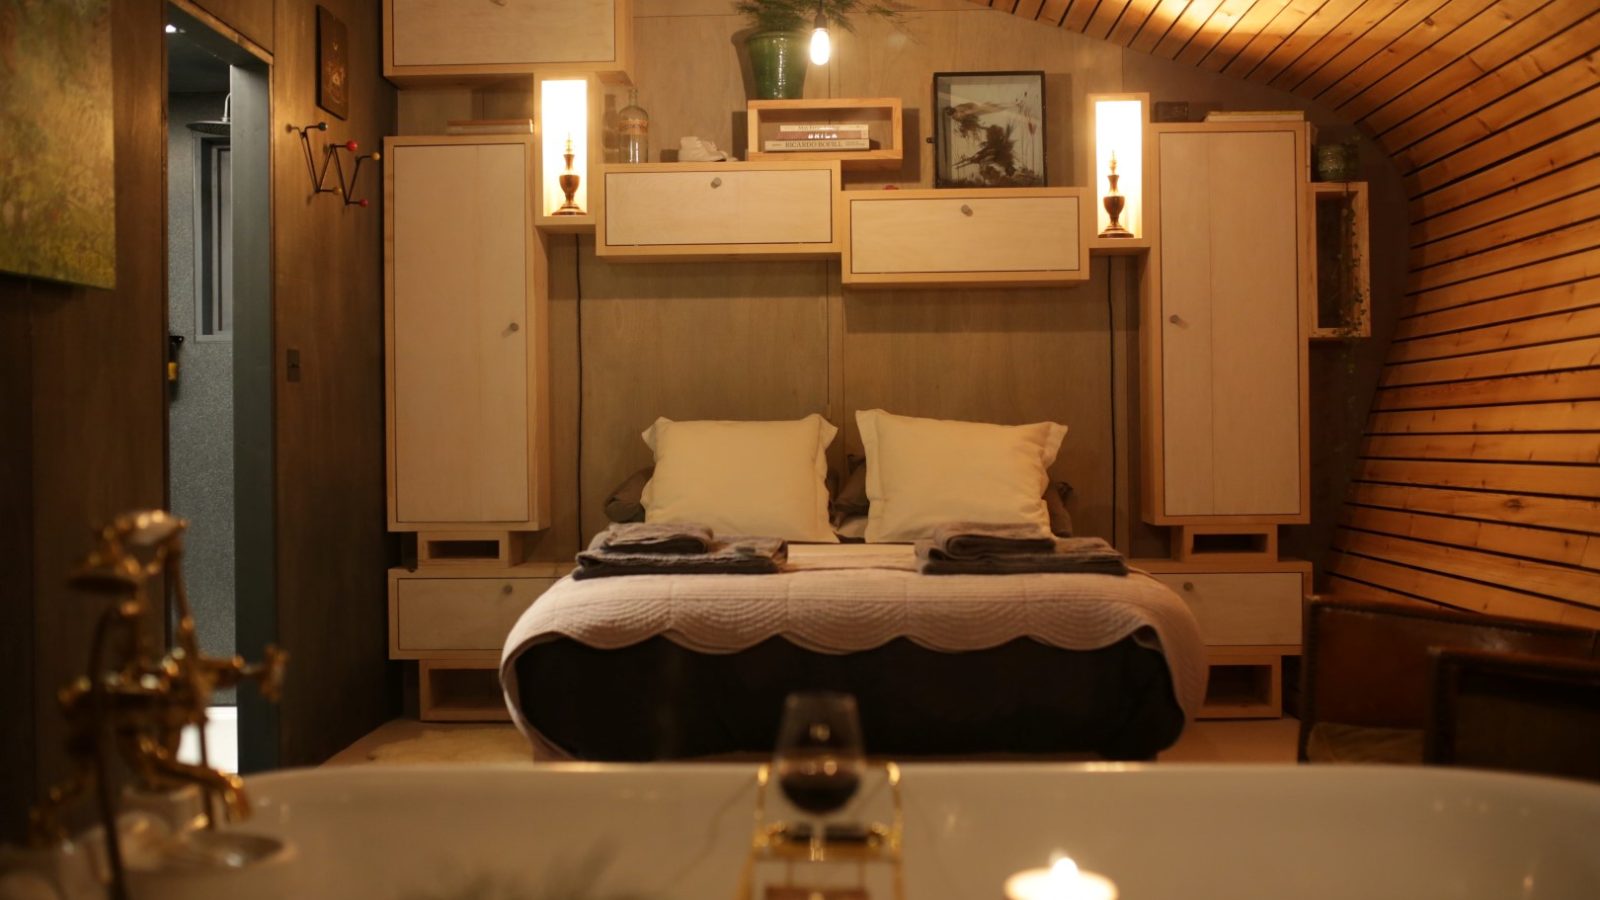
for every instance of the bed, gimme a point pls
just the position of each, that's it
(653, 667)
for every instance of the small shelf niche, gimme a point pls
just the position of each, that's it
(1344, 293)
(881, 115)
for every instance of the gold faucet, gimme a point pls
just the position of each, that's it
(138, 695)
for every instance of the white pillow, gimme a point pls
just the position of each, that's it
(922, 473)
(747, 478)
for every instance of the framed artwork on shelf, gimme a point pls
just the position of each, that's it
(333, 67)
(988, 129)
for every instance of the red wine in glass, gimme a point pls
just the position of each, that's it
(819, 759)
(819, 786)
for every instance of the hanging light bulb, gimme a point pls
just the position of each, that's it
(821, 45)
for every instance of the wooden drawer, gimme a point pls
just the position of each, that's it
(457, 41)
(1013, 236)
(439, 618)
(729, 209)
(1242, 608)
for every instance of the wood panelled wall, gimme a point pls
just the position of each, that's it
(82, 424)
(83, 401)
(768, 339)
(332, 611)
(1479, 482)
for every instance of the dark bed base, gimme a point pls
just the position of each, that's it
(656, 700)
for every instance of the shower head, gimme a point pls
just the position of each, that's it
(220, 126)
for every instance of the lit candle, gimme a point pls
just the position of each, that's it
(1062, 881)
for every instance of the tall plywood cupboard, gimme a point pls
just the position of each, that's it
(467, 367)
(1225, 389)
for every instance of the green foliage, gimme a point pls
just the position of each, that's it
(801, 15)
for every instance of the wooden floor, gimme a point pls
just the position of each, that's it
(410, 741)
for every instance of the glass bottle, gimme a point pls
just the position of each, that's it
(634, 125)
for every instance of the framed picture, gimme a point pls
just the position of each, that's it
(988, 129)
(333, 66)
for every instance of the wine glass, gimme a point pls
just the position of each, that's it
(819, 759)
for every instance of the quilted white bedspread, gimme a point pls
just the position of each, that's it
(844, 598)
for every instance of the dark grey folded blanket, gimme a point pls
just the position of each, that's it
(655, 537)
(966, 540)
(1085, 555)
(726, 556)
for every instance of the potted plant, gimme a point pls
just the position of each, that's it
(778, 43)
(1339, 161)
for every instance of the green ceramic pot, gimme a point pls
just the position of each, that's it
(778, 60)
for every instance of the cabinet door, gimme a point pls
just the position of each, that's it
(522, 33)
(461, 333)
(1241, 608)
(966, 233)
(718, 207)
(1230, 319)
(440, 616)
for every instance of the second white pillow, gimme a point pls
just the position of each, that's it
(922, 473)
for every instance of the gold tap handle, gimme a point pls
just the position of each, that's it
(268, 674)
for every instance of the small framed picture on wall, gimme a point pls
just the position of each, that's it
(988, 129)
(333, 64)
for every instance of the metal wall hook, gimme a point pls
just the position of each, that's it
(330, 153)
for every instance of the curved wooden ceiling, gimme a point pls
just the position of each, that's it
(1480, 482)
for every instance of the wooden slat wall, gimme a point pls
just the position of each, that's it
(1479, 486)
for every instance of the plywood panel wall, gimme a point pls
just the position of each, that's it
(328, 305)
(1478, 483)
(989, 355)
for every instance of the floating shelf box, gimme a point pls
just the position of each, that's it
(880, 114)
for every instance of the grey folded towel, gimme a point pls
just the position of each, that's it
(656, 537)
(1083, 555)
(726, 556)
(966, 540)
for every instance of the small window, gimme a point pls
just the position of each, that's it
(213, 240)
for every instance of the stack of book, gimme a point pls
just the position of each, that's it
(489, 126)
(824, 136)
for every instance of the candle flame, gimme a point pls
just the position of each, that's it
(1063, 872)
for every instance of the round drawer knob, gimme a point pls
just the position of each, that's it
(716, 182)
(506, 589)
(1187, 585)
(1175, 319)
(514, 326)
(966, 210)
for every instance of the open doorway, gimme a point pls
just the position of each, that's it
(218, 232)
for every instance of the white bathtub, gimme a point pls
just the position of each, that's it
(1168, 831)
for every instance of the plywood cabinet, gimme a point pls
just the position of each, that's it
(434, 616)
(1250, 619)
(964, 237)
(1225, 327)
(718, 209)
(1242, 608)
(467, 41)
(467, 359)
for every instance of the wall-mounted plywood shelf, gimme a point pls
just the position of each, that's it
(965, 236)
(1343, 274)
(1118, 246)
(880, 115)
(719, 210)
(432, 44)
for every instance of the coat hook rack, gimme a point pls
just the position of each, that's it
(330, 153)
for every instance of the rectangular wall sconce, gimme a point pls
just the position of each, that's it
(1118, 177)
(563, 132)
